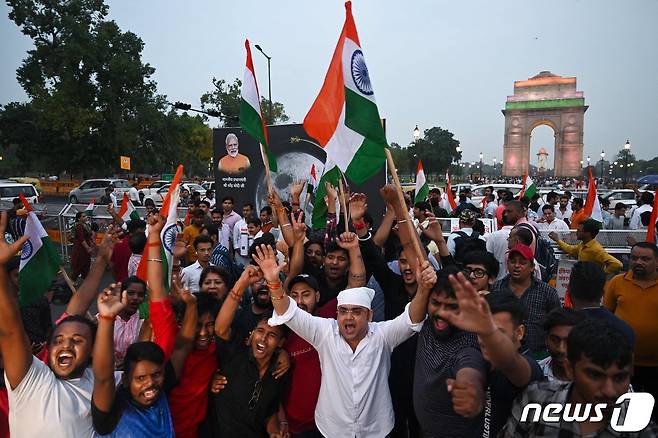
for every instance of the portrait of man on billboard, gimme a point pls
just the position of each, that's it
(233, 163)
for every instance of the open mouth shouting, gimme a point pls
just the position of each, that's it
(150, 395)
(65, 359)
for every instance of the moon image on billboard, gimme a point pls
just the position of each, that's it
(293, 166)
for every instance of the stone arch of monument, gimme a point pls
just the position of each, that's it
(545, 99)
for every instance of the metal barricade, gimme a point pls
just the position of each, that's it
(614, 241)
(66, 222)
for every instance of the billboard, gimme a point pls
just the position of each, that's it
(240, 173)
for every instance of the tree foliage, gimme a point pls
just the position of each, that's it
(92, 97)
(225, 98)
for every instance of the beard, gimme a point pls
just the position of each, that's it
(233, 153)
(444, 334)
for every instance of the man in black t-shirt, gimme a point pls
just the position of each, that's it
(498, 323)
(450, 372)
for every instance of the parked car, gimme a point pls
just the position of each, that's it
(477, 192)
(95, 188)
(159, 196)
(626, 196)
(208, 185)
(10, 190)
(152, 189)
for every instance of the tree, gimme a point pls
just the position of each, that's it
(225, 98)
(437, 149)
(92, 97)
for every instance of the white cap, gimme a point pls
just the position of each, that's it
(357, 296)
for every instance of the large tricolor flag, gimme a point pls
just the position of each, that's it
(651, 229)
(344, 118)
(448, 194)
(251, 112)
(127, 211)
(422, 189)
(40, 260)
(592, 207)
(529, 187)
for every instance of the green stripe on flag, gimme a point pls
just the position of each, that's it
(422, 194)
(251, 122)
(362, 116)
(36, 277)
(319, 218)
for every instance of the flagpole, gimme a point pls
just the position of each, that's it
(268, 176)
(343, 203)
(412, 229)
(71, 286)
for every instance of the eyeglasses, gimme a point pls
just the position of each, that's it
(356, 311)
(255, 395)
(477, 272)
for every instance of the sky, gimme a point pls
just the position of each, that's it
(432, 63)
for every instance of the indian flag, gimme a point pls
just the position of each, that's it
(592, 207)
(451, 203)
(169, 211)
(127, 211)
(422, 189)
(529, 187)
(344, 118)
(40, 260)
(251, 113)
(331, 175)
(89, 211)
(312, 185)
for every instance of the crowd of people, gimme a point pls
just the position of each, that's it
(266, 328)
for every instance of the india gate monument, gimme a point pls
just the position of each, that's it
(545, 99)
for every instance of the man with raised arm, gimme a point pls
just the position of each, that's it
(46, 399)
(354, 353)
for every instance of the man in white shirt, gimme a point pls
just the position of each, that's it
(192, 273)
(241, 236)
(548, 222)
(645, 204)
(497, 245)
(563, 212)
(354, 399)
(210, 197)
(133, 195)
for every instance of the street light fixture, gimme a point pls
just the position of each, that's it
(481, 156)
(269, 80)
(416, 133)
(627, 152)
(187, 107)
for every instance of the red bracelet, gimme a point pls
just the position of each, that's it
(107, 317)
(359, 225)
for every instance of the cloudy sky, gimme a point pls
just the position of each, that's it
(432, 63)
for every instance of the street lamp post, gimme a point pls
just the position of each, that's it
(627, 151)
(269, 80)
(494, 167)
(481, 156)
(416, 133)
(188, 107)
(602, 157)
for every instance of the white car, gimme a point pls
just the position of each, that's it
(477, 192)
(159, 196)
(625, 196)
(10, 190)
(152, 189)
